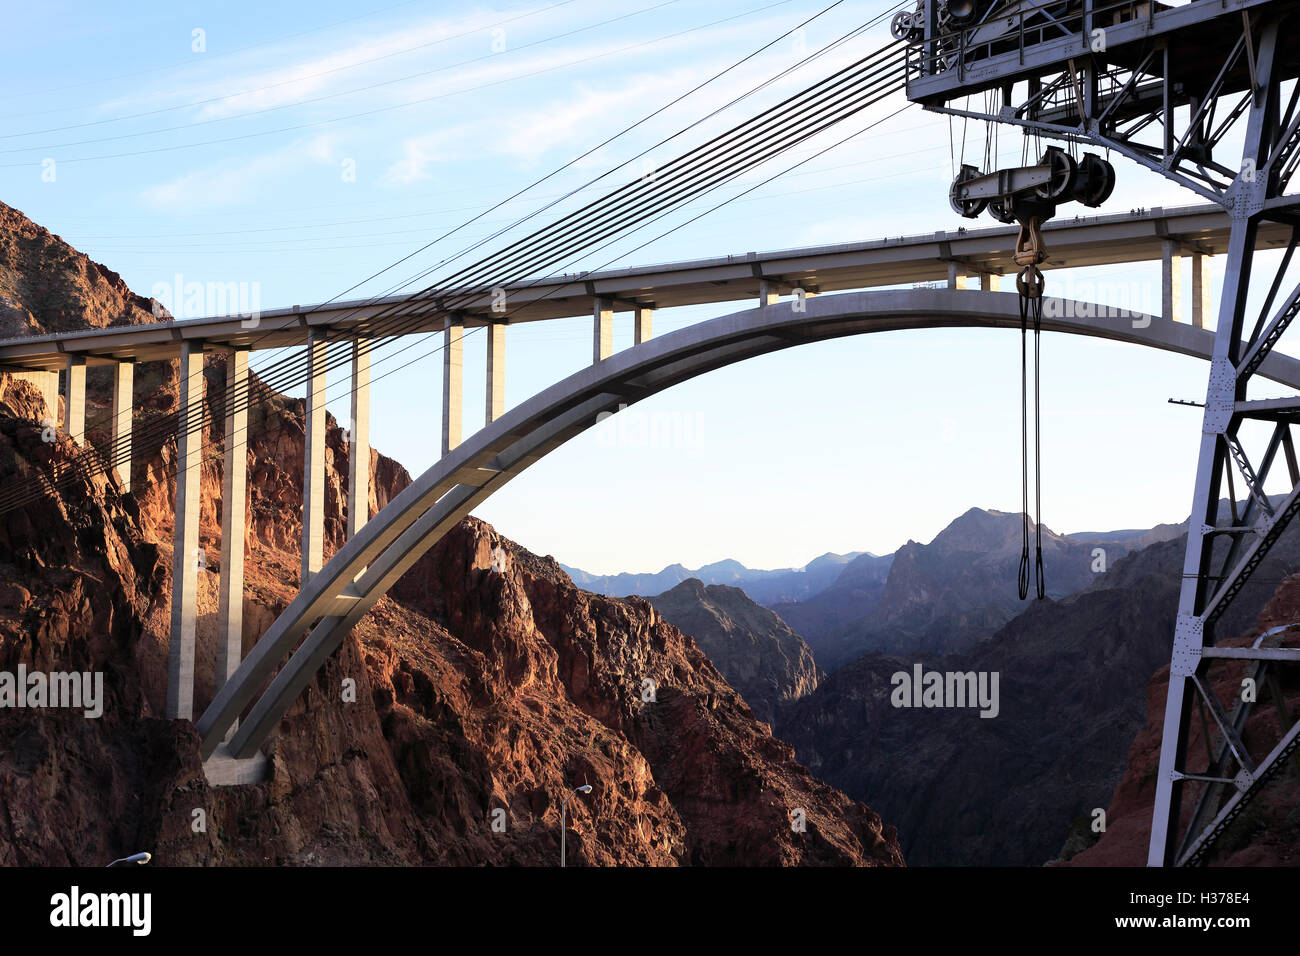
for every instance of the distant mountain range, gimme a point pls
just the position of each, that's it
(946, 596)
(942, 597)
(765, 587)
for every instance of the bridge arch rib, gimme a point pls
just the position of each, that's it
(390, 543)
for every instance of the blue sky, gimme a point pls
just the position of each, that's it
(298, 148)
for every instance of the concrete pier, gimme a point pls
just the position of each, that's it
(359, 439)
(643, 321)
(769, 293)
(123, 407)
(186, 556)
(1203, 303)
(602, 339)
(453, 381)
(313, 473)
(496, 372)
(234, 511)
(1171, 280)
(74, 399)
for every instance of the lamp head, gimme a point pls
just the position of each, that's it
(585, 788)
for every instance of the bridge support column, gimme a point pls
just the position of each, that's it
(496, 372)
(234, 510)
(1171, 280)
(359, 439)
(123, 407)
(1202, 302)
(602, 346)
(74, 403)
(769, 293)
(49, 386)
(313, 476)
(992, 282)
(453, 381)
(47, 383)
(186, 556)
(956, 276)
(643, 320)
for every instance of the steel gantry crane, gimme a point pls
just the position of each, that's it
(1174, 88)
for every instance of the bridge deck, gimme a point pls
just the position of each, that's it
(1086, 241)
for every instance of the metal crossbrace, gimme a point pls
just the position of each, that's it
(1251, 560)
(1264, 344)
(1226, 727)
(1200, 845)
(1245, 523)
(1248, 473)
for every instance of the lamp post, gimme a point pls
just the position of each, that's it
(140, 858)
(564, 804)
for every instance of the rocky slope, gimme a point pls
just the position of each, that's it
(47, 286)
(487, 686)
(754, 649)
(1072, 680)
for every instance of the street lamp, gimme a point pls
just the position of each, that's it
(585, 788)
(140, 858)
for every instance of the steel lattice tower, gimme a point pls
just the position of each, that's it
(1169, 87)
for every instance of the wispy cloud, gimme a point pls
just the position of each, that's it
(229, 184)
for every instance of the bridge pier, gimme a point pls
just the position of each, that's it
(185, 534)
(74, 402)
(1171, 280)
(453, 380)
(123, 407)
(769, 293)
(496, 372)
(47, 383)
(313, 478)
(956, 275)
(359, 439)
(1202, 302)
(643, 321)
(602, 346)
(234, 510)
